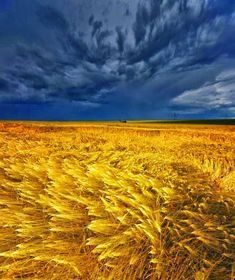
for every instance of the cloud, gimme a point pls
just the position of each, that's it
(217, 95)
(91, 20)
(141, 21)
(96, 27)
(50, 17)
(143, 53)
(195, 29)
(120, 39)
(3, 84)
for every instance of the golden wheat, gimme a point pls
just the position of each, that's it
(117, 201)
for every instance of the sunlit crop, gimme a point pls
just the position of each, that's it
(117, 201)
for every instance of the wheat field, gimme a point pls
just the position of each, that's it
(117, 201)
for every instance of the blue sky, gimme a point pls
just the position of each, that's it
(112, 59)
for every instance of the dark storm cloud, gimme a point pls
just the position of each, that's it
(182, 24)
(141, 22)
(4, 85)
(50, 17)
(97, 25)
(143, 54)
(91, 19)
(127, 12)
(120, 39)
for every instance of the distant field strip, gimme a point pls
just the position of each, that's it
(117, 201)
